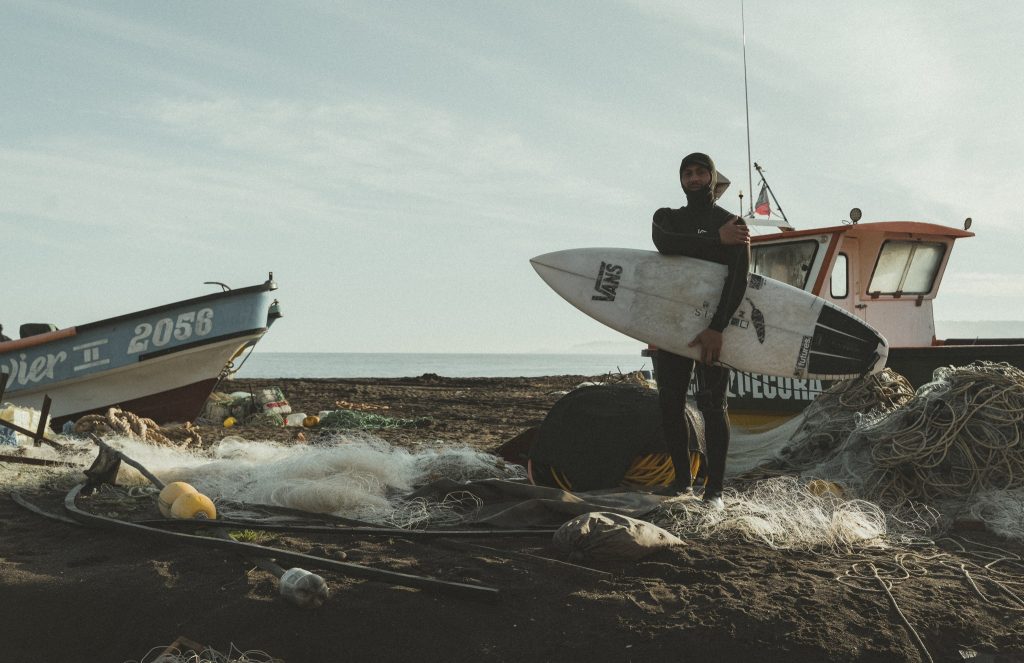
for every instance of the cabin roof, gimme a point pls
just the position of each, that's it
(858, 230)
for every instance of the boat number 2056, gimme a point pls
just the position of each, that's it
(187, 325)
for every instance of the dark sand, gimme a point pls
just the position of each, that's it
(76, 594)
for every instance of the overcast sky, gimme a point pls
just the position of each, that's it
(396, 164)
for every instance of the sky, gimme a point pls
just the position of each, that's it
(397, 164)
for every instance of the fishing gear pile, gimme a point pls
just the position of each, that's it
(961, 434)
(828, 422)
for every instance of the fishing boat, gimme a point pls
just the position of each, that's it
(161, 363)
(888, 273)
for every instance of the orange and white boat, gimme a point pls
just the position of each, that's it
(888, 273)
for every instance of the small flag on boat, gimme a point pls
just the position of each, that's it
(761, 206)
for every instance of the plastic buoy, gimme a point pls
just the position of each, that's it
(311, 420)
(820, 488)
(193, 506)
(170, 493)
(229, 422)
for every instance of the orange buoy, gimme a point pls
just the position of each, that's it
(170, 493)
(193, 506)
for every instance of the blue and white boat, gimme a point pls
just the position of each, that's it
(160, 363)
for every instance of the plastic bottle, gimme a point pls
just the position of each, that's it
(304, 589)
(294, 419)
(8, 438)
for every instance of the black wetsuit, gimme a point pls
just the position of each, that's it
(693, 231)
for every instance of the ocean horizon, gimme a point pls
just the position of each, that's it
(457, 365)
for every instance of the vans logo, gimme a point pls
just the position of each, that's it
(607, 282)
(805, 352)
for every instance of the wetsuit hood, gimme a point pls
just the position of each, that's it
(719, 182)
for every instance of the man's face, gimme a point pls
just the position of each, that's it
(695, 177)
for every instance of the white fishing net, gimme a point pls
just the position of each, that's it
(355, 475)
(956, 444)
(182, 654)
(790, 513)
(1002, 511)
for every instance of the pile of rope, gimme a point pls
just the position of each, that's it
(960, 435)
(121, 422)
(833, 416)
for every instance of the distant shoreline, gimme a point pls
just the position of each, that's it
(344, 365)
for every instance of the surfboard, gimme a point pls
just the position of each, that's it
(668, 300)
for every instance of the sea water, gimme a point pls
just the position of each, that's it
(396, 365)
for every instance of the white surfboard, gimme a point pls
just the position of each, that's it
(667, 300)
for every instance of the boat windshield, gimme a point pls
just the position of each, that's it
(906, 268)
(789, 262)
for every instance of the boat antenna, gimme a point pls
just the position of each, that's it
(746, 101)
(771, 193)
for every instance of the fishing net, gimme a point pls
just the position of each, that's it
(1002, 511)
(960, 435)
(452, 510)
(353, 475)
(184, 654)
(827, 422)
(791, 513)
(368, 420)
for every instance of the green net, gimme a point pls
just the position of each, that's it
(368, 420)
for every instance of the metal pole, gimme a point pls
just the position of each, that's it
(746, 101)
(771, 193)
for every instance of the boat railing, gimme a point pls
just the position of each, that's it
(38, 339)
(982, 341)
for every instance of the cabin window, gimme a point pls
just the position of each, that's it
(906, 268)
(840, 280)
(789, 262)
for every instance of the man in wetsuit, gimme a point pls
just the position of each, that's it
(2, 337)
(701, 230)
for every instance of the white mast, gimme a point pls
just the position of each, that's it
(746, 101)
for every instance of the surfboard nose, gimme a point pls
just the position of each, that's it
(545, 266)
(553, 259)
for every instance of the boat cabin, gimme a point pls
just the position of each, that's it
(887, 273)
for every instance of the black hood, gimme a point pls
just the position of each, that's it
(719, 183)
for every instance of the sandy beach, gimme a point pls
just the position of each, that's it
(77, 594)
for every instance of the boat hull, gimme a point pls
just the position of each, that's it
(161, 363)
(758, 401)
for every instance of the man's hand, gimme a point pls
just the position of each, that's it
(734, 232)
(710, 342)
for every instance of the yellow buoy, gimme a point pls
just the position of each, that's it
(311, 420)
(820, 488)
(229, 422)
(170, 493)
(193, 505)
